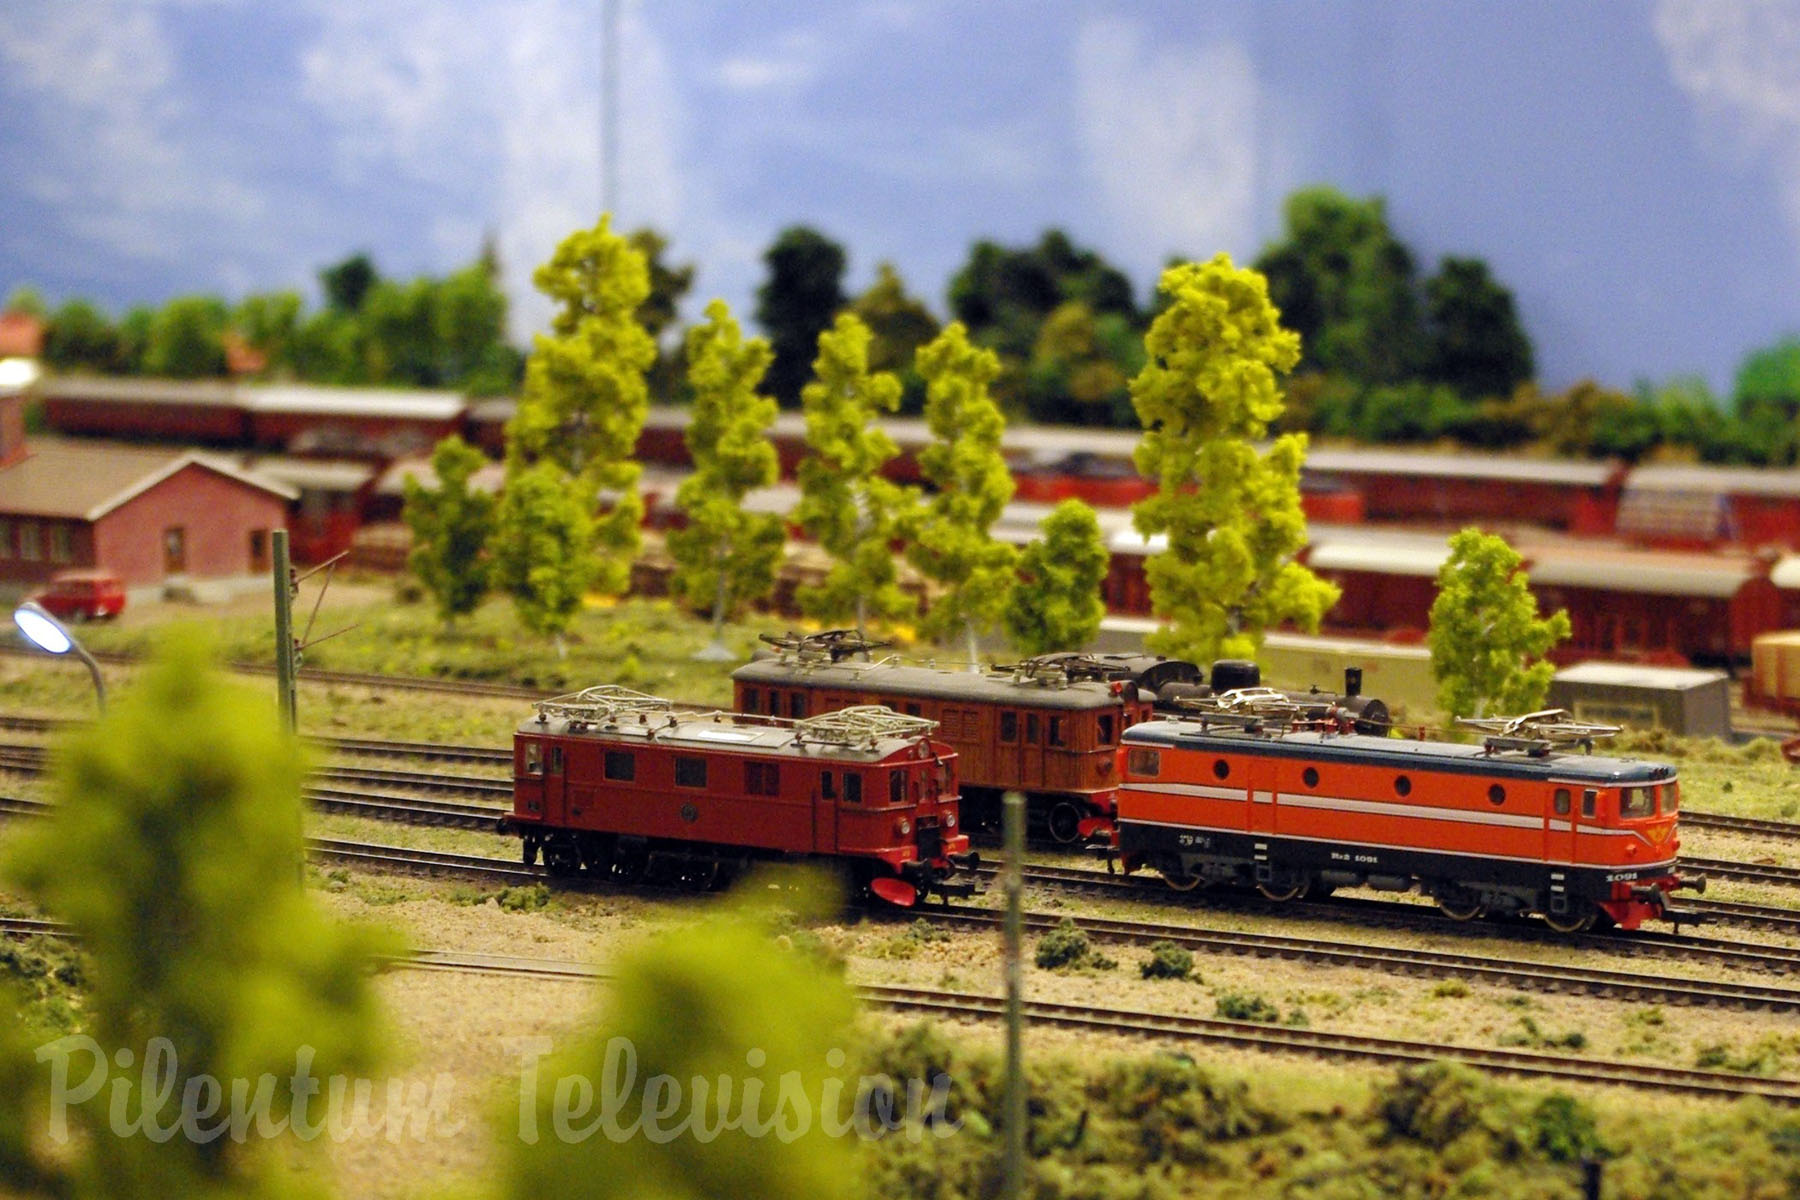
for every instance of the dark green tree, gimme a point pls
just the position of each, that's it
(1766, 400)
(1004, 295)
(269, 322)
(79, 337)
(187, 339)
(347, 284)
(802, 295)
(899, 323)
(451, 525)
(469, 327)
(1474, 340)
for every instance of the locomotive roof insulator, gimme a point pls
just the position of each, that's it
(1537, 733)
(1060, 670)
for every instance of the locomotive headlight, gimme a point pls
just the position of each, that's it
(949, 820)
(903, 827)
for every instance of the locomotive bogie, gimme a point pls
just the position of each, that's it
(1577, 838)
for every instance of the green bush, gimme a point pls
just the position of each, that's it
(1563, 1128)
(1244, 1006)
(1063, 947)
(1167, 961)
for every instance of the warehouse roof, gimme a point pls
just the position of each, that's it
(87, 480)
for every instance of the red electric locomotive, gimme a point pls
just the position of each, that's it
(612, 782)
(1511, 826)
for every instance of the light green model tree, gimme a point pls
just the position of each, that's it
(845, 504)
(585, 395)
(1231, 512)
(1487, 640)
(173, 852)
(953, 546)
(726, 556)
(542, 549)
(450, 529)
(731, 1081)
(1056, 604)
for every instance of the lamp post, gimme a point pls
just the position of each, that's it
(49, 635)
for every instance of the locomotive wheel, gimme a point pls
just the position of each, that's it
(1461, 908)
(1571, 922)
(701, 876)
(1064, 823)
(1282, 892)
(562, 858)
(1185, 882)
(628, 865)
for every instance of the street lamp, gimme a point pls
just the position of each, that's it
(49, 635)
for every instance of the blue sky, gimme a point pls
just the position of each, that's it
(1630, 169)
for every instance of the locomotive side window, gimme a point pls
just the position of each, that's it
(1310, 777)
(1671, 798)
(1562, 802)
(1402, 785)
(1055, 737)
(762, 779)
(534, 758)
(556, 760)
(1221, 769)
(749, 704)
(1637, 802)
(1589, 802)
(1106, 729)
(913, 710)
(1496, 794)
(1031, 728)
(1009, 727)
(896, 787)
(621, 765)
(1143, 762)
(690, 772)
(852, 788)
(796, 704)
(827, 785)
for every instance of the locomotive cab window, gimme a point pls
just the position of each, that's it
(827, 785)
(1671, 798)
(1143, 762)
(852, 788)
(1106, 729)
(690, 772)
(896, 787)
(762, 779)
(534, 758)
(1031, 728)
(796, 704)
(1562, 802)
(1590, 802)
(1009, 727)
(913, 710)
(556, 760)
(749, 704)
(1056, 731)
(621, 766)
(1636, 802)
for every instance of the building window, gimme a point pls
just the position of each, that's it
(690, 772)
(6, 539)
(621, 766)
(62, 548)
(31, 545)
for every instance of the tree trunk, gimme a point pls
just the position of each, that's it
(974, 654)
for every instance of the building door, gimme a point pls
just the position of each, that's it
(259, 551)
(174, 550)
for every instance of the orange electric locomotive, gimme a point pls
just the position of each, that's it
(1515, 824)
(611, 782)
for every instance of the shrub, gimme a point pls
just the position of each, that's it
(1167, 961)
(1064, 946)
(1244, 1006)
(1563, 1128)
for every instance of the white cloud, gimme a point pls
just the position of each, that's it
(1739, 60)
(1169, 137)
(129, 169)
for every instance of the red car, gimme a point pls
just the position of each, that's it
(83, 595)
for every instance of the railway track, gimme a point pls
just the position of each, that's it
(1338, 1047)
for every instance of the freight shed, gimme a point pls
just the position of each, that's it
(1683, 701)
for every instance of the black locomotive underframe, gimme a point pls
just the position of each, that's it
(1502, 884)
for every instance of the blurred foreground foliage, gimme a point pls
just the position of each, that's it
(173, 853)
(740, 1021)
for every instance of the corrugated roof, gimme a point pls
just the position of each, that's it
(319, 474)
(1643, 574)
(354, 402)
(1637, 675)
(107, 388)
(1746, 481)
(1399, 558)
(1460, 466)
(87, 480)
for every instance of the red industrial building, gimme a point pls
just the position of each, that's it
(148, 516)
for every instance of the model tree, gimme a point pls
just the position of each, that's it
(1056, 604)
(173, 853)
(543, 549)
(585, 397)
(845, 504)
(796, 305)
(953, 546)
(1231, 512)
(450, 527)
(726, 556)
(1487, 640)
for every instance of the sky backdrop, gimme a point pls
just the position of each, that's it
(1631, 169)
